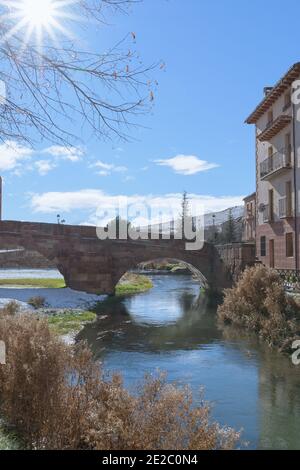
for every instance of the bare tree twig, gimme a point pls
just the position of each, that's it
(52, 88)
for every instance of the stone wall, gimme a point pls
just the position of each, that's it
(236, 257)
(24, 259)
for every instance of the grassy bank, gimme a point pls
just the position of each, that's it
(27, 283)
(8, 441)
(70, 321)
(258, 303)
(133, 284)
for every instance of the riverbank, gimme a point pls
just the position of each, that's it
(130, 283)
(133, 284)
(65, 321)
(164, 267)
(69, 322)
(27, 283)
(46, 408)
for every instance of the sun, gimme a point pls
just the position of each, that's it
(38, 13)
(37, 19)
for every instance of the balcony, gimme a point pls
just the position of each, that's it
(285, 208)
(276, 164)
(273, 127)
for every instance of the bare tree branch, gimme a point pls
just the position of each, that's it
(59, 84)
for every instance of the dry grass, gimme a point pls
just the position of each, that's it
(37, 302)
(259, 303)
(55, 397)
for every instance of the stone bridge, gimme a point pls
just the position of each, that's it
(91, 265)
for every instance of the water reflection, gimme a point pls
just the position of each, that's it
(181, 320)
(174, 329)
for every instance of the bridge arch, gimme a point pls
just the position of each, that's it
(197, 274)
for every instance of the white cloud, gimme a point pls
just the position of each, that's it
(73, 154)
(186, 164)
(21, 158)
(12, 155)
(93, 202)
(105, 169)
(44, 166)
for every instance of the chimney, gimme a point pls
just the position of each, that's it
(267, 90)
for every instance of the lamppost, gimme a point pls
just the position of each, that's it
(214, 226)
(59, 220)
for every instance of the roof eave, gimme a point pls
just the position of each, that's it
(276, 91)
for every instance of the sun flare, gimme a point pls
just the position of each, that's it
(38, 12)
(37, 19)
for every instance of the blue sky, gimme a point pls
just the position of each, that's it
(219, 55)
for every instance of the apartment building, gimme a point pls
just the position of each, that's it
(277, 135)
(249, 219)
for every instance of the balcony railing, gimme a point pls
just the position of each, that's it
(276, 162)
(285, 208)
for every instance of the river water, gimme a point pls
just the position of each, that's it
(172, 328)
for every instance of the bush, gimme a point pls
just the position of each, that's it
(12, 308)
(259, 303)
(56, 398)
(37, 302)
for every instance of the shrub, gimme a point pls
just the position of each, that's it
(56, 398)
(37, 302)
(259, 303)
(11, 308)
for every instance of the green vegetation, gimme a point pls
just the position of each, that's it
(133, 284)
(55, 396)
(46, 283)
(70, 321)
(8, 441)
(259, 303)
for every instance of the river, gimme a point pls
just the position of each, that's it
(172, 328)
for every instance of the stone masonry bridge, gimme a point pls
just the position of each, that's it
(91, 265)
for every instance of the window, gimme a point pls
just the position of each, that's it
(288, 148)
(263, 244)
(289, 240)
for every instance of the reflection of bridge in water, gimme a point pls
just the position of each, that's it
(92, 265)
(118, 330)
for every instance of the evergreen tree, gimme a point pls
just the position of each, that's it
(229, 235)
(184, 213)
